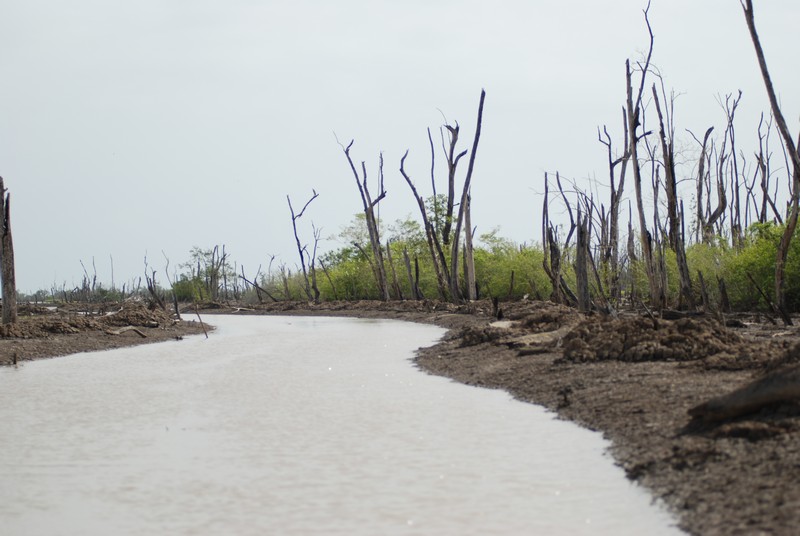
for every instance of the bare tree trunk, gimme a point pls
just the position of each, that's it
(705, 225)
(674, 220)
(634, 110)
(328, 276)
(172, 288)
(397, 290)
(411, 282)
(455, 291)
(285, 280)
(724, 301)
(152, 288)
(452, 164)
(259, 288)
(430, 233)
(704, 292)
(737, 232)
(7, 274)
(312, 263)
(631, 250)
(552, 255)
(301, 250)
(611, 254)
(763, 159)
(372, 222)
(469, 256)
(794, 155)
(581, 263)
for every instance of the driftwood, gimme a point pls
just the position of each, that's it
(202, 325)
(8, 284)
(120, 331)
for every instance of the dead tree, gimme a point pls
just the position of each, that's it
(610, 255)
(398, 292)
(630, 247)
(591, 208)
(674, 219)
(442, 217)
(463, 209)
(172, 287)
(412, 282)
(330, 280)
(737, 231)
(658, 237)
(793, 155)
(369, 205)
(259, 289)
(469, 253)
(431, 236)
(552, 260)
(152, 286)
(285, 275)
(634, 115)
(211, 268)
(452, 165)
(705, 218)
(764, 172)
(441, 223)
(309, 282)
(7, 275)
(582, 262)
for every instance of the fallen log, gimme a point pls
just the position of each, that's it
(779, 386)
(120, 331)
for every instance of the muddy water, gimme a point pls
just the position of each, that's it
(294, 426)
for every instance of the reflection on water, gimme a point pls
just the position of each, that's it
(282, 425)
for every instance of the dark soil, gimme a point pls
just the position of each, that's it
(729, 467)
(44, 332)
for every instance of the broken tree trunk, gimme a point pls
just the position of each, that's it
(455, 290)
(581, 263)
(794, 155)
(412, 283)
(7, 276)
(469, 254)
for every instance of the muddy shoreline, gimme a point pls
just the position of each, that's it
(634, 379)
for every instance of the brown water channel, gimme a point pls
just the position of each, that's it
(281, 425)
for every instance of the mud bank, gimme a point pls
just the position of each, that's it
(49, 332)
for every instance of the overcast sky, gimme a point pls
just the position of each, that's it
(132, 128)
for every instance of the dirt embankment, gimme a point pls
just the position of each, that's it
(49, 332)
(703, 413)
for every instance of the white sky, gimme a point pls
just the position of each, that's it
(132, 128)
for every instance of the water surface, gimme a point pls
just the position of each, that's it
(279, 425)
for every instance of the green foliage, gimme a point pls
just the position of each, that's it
(708, 259)
(348, 273)
(757, 258)
(189, 289)
(498, 258)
